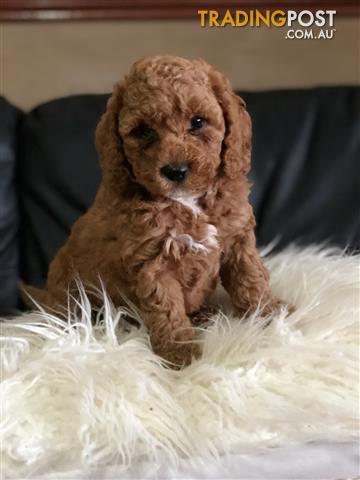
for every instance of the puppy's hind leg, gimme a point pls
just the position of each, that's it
(246, 279)
(35, 298)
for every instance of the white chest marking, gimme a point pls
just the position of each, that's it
(191, 202)
(211, 239)
(175, 240)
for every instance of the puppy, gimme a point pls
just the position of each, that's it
(172, 214)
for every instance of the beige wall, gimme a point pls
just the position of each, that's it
(41, 61)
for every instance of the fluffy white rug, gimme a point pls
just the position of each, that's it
(75, 395)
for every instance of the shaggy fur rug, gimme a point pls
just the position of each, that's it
(77, 394)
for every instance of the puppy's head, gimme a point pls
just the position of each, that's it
(175, 125)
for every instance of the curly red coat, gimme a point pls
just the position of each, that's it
(163, 243)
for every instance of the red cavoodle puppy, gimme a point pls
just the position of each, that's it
(172, 214)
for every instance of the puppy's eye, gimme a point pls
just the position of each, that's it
(144, 133)
(196, 123)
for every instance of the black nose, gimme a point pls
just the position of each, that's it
(175, 172)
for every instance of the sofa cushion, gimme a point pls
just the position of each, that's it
(9, 219)
(305, 169)
(306, 166)
(58, 176)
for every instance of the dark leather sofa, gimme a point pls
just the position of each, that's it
(306, 174)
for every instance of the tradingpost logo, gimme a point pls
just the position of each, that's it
(299, 25)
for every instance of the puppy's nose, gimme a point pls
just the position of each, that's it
(175, 172)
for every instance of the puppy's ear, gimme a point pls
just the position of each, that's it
(236, 149)
(108, 140)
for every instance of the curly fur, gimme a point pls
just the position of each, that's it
(164, 245)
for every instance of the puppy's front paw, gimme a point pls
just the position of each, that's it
(203, 315)
(273, 304)
(268, 304)
(180, 355)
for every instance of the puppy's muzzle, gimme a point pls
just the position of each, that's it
(175, 172)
